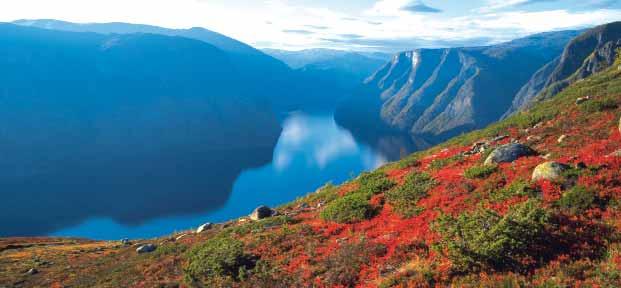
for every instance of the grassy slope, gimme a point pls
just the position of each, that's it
(302, 248)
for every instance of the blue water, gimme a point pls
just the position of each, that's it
(311, 151)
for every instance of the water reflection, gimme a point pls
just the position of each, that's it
(311, 151)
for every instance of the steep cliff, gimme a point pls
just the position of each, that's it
(445, 92)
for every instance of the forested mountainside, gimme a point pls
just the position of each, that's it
(75, 105)
(525, 202)
(440, 93)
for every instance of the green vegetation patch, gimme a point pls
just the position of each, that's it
(599, 105)
(441, 163)
(516, 189)
(351, 208)
(218, 260)
(404, 198)
(577, 199)
(480, 171)
(485, 241)
(374, 183)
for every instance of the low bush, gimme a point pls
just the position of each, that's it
(480, 171)
(219, 260)
(351, 208)
(485, 241)
(404, 198)
(441, 163)
(374, 183)
(599, 105)
(577, 199)
(516, 189)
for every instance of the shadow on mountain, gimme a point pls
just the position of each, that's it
(128, 127)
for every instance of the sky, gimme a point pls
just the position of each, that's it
(366, 25)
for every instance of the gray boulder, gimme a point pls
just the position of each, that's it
(262, 212)
(549, 171)
(509, 153)
(147, 248)
(204, 228)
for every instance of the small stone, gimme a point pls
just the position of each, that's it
(562, 139)
(147, 248)
(500, 138)
(204, 228)
(581, 165)
(303, 206)
(262, 212)
(509, 153)
(582, 100)
(533, 138)
(32, 271)
(549, 171)
(181, 236)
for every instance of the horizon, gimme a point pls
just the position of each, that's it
(367, 26)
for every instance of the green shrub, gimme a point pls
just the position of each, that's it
(404, 198)
(480, 171)
(484, 240)
(441, 163)
(348, 209)
(599, 105)
(515, 189)
(577, 199)
(374, 183)
(219, 259)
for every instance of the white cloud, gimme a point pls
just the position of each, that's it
(265, 23)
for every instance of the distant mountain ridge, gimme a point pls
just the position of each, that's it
(254, 68)
(302, 58)
(88, 116)
(440, 93)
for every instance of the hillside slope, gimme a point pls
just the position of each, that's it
(440, 217)
(444, 92)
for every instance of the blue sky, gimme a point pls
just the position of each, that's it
(386, 25)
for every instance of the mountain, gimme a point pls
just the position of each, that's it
(589, 53)
(137, 118)
(439, 93)
(253, 67)
(334, 74)
(525, 202)
(302, 58)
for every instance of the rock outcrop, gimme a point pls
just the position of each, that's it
(147, 248)
(549, 171)
(509, 153)
(204, 228)
(262, 212)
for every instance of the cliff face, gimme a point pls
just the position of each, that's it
(445, 92)
(590, 53)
